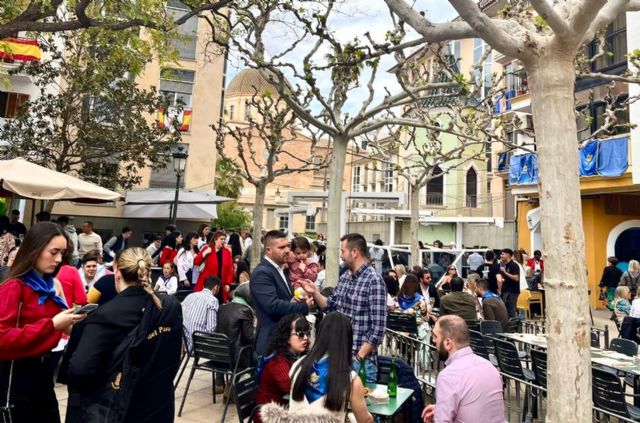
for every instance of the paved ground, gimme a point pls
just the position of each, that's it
(199, 407)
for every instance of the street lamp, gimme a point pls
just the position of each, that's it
(179, 165)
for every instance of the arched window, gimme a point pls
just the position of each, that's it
(435, 189)
(472, 188)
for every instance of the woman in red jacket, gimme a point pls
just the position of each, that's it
(217, 262)
(33, 317)
(170, 250)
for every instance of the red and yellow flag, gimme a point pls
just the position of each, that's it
(20, 49)
(183, 118)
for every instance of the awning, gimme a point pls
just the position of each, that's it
(157, 203)
(28, 180)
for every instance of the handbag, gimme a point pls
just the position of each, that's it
(5, 410)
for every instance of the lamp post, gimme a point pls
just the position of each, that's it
(179, 165)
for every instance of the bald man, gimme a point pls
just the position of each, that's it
(469, 388)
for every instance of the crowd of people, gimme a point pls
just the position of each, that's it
(307, 340)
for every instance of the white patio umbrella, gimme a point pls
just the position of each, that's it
(29, 180)
(157, 203)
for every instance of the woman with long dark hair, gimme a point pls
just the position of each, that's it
(33, 317)
(203, 232)
(187, 272)
(170, 250)
(218, 262)
(324, 378)
(235, 244)
(289, 340)
(120, 363)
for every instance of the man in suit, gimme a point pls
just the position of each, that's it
(271, 290)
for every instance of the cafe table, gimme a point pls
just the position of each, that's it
(388, 410)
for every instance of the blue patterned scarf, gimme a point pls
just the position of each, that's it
(406, 303)
(318, 380)
(490, 294)
(43, 286)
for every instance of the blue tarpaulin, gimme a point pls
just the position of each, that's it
(514, 169)
(589, 159)
(502, 162)
(613, 157)
(528, 169)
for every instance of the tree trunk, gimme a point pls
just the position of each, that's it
(415, 224)
(552, 79)
(258, 212)
(334, 209)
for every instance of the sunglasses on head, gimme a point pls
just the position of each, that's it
(301, 334)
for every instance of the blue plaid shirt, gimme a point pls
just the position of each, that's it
(362, 295)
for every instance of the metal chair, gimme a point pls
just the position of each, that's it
(215, 348)
(185, 359)
(402, 322)
(489, 327)
(539, 360)
(608, 395)
(595, 339)
(624, 346)
(245, 388)
(510, 364)
(479, 347)
(473, 324)
(513, 325)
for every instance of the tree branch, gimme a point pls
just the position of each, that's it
(549, 14)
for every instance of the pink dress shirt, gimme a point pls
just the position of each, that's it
(469, 390)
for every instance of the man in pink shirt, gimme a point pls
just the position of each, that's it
(469, 389)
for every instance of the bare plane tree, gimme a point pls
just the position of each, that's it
(547, 48)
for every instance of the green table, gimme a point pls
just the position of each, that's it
(394, 404)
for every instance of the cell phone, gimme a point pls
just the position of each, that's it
(86, 309)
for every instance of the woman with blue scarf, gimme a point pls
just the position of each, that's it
(323, 382)
(33, 317)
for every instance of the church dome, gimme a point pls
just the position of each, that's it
(246, 82)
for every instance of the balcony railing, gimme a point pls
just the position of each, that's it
(517, 84)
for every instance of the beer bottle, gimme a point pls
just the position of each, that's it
(363, 371)
(392, 386)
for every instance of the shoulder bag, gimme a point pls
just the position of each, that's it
(5, 410)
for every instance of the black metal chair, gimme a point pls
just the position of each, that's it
(402, 322)
(215, 348)
(185, 359)
(608, 395)
(479, 347)
(473, 324)
(489, 327)
(624, 346)
(182, 294)
(513, 325)
(595, 339)
(539, 363)
(245, 388)
(510, 364)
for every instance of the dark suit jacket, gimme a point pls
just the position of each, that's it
(272, 301)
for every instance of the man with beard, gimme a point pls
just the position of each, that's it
(469, 388)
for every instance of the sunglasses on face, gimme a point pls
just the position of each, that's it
(301, 334)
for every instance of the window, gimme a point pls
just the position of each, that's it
(177, 86)
(186, 40)
(166, 177)
(516, 79)
(102, 172)
(592, 117)
(483, 76)
(388, 177)
(615, 46)
(247, 111)
(435, 188)
(310, 224)
(12, 104)
(355, 186)
(488, 156)
(284, 222)
(231, 111)
(454, 49)
(472, 188)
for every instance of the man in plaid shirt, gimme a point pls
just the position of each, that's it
(361, 294)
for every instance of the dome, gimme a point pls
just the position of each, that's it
(246, 82)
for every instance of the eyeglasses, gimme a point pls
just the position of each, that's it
(301, 334)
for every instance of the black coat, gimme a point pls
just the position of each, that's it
(272, 301)
(236, 321)
(121, 361)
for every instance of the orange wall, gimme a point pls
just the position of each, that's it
(597, 226)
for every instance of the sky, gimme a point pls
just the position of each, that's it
(353, 19)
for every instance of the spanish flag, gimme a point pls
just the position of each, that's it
(20, 49)
(183, 118)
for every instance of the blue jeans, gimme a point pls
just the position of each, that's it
(370, 368)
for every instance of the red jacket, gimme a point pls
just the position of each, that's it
(211, 269)
(35, 335)
(167, 256)
(274, 382)
(72, 286)
(532, 263)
